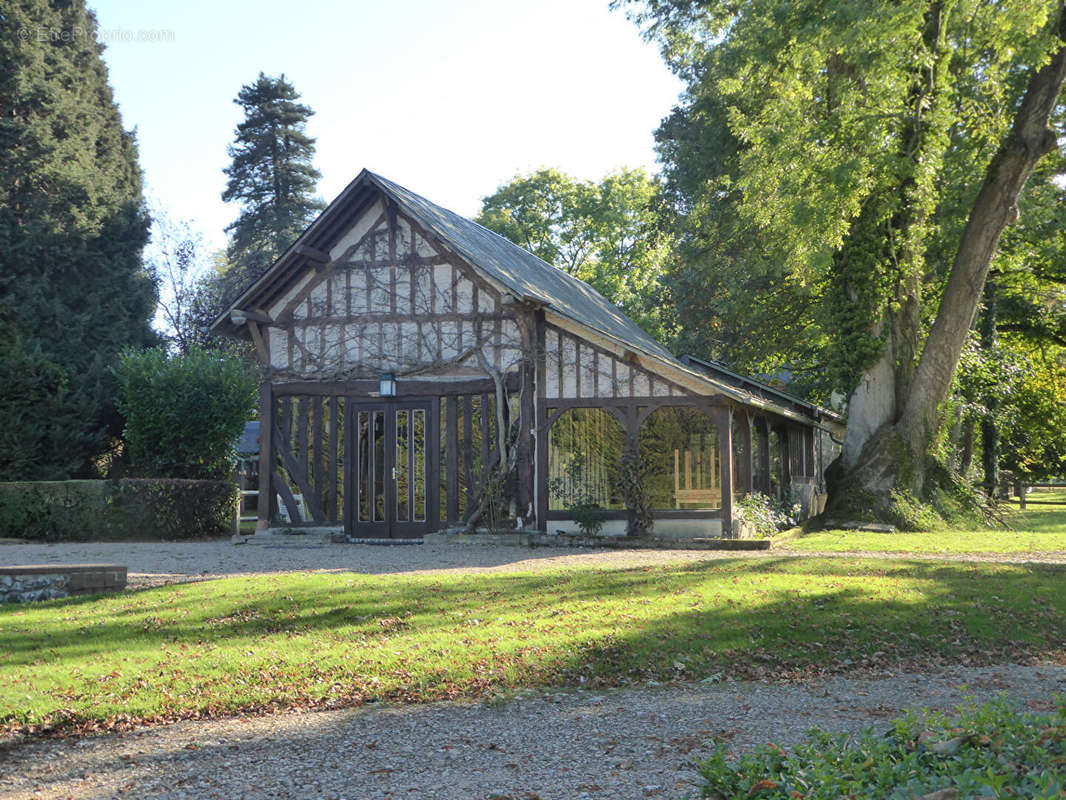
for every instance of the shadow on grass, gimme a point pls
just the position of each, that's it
(773, 600)
(227, 645)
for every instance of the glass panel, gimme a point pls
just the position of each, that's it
(418, 479)
(584, 455)
(363, 475)
(403, 444)
(679, 451)
(379, 465)
(460, 457)
(341, 458)
(445, 455)
(775, 465)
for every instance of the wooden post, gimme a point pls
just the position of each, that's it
(266, 456)
(540, 411)
(746, 478)
(725, 443)
(784, 443)
(763, 474)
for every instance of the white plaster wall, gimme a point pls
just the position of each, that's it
(442, 287)
(403, 236)
(585, 371)
(569, 359)
(464, 296)
(641, 387)
(279, 348)
(625, 379)
(357, 231)
(339, 290)
(423, 248)
(607, 388)
(663, 528)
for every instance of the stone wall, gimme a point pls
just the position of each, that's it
(21, 584)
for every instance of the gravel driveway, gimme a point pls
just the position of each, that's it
(155, 563)
(622, 744)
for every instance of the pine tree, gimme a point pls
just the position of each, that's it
(271, 176)
(73, 293)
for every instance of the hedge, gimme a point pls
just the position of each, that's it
(131, 508)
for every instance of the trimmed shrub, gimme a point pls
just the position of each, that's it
(131, 508)
(184, 412)
(985, 752)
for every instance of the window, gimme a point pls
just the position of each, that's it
(681, 464)
(584, 452)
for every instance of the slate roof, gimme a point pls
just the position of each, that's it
(248, 444)
(512, 267)
(522, 272)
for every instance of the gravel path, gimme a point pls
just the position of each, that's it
(156, 563)
(622, 744)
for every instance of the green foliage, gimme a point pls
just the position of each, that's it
(1034, 414)
(993, 750)
(578, 499)
(128, 509)
(631, 486)
(766, 515)
(33, 399)
(73, 293)
(821, 166)
(184, 412)
(605, 233)
(271, 176)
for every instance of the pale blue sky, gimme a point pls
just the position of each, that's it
(448, 98)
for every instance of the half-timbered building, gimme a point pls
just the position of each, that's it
(420, 372)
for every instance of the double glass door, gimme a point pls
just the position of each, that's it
(388, 470)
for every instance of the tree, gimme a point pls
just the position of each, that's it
(177, 259)
(875, 152)
(73, 293)
(184, 411)
(271, 176)
(605, 233)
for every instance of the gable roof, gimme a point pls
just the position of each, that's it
(721, 372)
(504, 263)
(514, 268)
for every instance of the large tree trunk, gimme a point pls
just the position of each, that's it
(883, 387)
(894, 458)
(990, 423)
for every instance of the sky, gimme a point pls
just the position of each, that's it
(450, 99)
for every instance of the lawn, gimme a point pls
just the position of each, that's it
(1039, 529)
(327, 640)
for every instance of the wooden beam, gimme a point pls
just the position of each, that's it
(746, 478)
(405, 387)
(452, 456)
(266, 457)
(725, 446)
(249, 316)
(262, 349)
(312, 253)
(331, 455)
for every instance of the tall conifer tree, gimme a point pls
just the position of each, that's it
(271, 176)
(73, 293)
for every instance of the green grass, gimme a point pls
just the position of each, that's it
(1038, 529)
(325, 640)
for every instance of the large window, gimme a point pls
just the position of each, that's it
(584, 452)
(679, 451)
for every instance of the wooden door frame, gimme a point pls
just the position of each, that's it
(391, 527)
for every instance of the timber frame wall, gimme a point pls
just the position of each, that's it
(387, 296)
